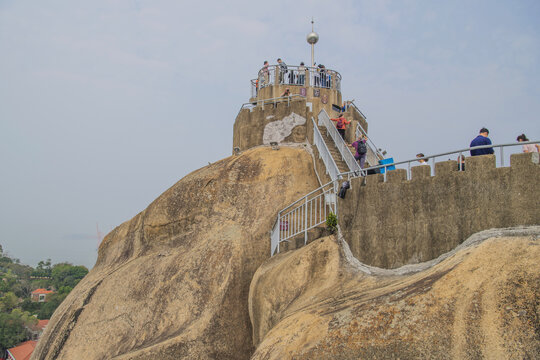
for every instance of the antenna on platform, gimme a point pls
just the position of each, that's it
(312, 39)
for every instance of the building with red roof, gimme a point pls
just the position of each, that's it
(22, 351)
(37, 329)
(41, 295)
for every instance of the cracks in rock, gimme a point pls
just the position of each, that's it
(71, 322)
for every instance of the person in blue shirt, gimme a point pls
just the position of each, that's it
(480, 140)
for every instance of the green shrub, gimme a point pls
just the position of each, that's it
(331, 222)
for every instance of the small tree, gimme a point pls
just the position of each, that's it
(331, 222)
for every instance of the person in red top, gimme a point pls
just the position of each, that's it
(341, 125)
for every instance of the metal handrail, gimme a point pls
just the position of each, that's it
(433, 157)
(303, 215)
(252, 104)
(296, 75)
(324, 153)
(342, 147)
(351, 103)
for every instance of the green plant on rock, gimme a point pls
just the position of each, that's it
(331, 222)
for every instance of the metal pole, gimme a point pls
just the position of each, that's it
(312, 55)
(305, 222)
(502, 156)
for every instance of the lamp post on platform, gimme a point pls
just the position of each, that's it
(312, 39)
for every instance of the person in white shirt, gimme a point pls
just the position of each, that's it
(528, 147)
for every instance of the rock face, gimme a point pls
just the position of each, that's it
(173, 282)
(478, 301)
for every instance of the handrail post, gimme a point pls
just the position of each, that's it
(305, 222)
(279, 231)
(502, 156)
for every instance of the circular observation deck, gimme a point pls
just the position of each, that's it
(273, 80)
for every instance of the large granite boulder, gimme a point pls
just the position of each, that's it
(479, 301)
(173, 281)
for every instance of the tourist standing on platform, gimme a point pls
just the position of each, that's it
(527, 148)
(266, 74)
(341, 125)
(361, 150)
(301, 74)
(461, 163)
(421, 161)
(322, 74)
(480, 140)
(282, 70)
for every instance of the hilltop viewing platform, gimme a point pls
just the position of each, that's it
(318, 85)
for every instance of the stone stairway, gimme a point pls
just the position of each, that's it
(342, 166)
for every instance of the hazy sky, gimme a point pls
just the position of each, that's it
(106, 104)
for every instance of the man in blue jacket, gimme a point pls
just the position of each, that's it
(480, 140)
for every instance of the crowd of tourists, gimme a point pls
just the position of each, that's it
(482, 140)
(296, 75)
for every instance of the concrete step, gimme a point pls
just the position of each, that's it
(334, 152)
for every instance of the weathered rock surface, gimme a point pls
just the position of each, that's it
(173, 282)
(481, 300)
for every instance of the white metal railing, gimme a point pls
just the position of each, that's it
(267, 76)
(346, 155)
(331, 168)
(300, 216)
(272, 101)
(353, 105)
(296, 75)
(303, 215)
(407, 164)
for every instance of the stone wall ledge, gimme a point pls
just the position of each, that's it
(484, 165)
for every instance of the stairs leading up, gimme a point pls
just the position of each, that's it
(342, 166)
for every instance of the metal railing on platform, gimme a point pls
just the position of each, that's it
(407, 164)
(296, 76)
(272, 101)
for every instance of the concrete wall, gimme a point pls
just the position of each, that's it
(249, 126)
(389, 224)
(332, 96)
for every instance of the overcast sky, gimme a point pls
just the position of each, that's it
(106, 104)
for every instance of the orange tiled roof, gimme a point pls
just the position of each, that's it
(23, 351)
(42, 291)
(42, 323)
